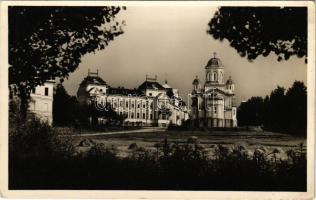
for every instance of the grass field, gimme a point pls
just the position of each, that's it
(250, 140)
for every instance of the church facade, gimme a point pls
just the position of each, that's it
(212, 103)
(151, 104)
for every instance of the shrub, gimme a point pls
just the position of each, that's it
(35, 138)
(172, 166)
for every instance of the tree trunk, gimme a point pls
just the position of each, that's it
(94, 121)
(24, 96)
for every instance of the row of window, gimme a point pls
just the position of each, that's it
(214, 76)
(143, 116)
(138, 115)
(45, 92)
(132, 105)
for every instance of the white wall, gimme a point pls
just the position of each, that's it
(154, 93)
(42, 104)
(99, 87)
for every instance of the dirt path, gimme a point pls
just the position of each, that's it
(144, 130)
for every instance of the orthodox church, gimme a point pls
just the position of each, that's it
(213, 103)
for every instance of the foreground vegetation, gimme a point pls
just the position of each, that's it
(39, 159)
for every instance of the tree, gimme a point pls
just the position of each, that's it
(296, 97)
(277, 109)
(251, 112)
(255, 31)
(48, 42)
(284, 111)
(64, 107)
(109, 114)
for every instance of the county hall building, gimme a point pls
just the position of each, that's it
(151, 104)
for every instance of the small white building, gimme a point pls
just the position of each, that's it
(41, 101)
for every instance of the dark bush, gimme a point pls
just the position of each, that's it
(39, 159)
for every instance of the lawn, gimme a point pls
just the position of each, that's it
(250, 140)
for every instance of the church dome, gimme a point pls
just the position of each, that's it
(229, 81)
(214, 62)
(196, 81)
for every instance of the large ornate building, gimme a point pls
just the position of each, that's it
(213, 103)
(151, 104)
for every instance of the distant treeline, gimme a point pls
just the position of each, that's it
(282, 111)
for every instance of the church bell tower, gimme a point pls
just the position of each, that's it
(214, 72)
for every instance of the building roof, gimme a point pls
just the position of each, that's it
(219, 91)
(196, 81)
(96, 80)
(123, 91)
(214, 63)
(166, 85)
(229, 81)
(153, 85)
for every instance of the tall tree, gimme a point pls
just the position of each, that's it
(251, 112)
(108, 113)
(48, 42)
(255, 31)
(296, 97)
(64, 107)
(277, 109)
(284, 111)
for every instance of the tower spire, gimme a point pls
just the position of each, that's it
(166, 78)
(214, 54)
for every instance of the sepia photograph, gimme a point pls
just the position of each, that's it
(159, 96)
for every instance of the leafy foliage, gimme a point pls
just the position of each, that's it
(284, 111)
(251, 112)
(35, 138)
(51, 161)
(64, 107)
(172, 166)
(255, 31)
(109, 115)
(67, 111)
(48, 42)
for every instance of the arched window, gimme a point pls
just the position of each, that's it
(209, 76)
(221, 77)
(215, 76)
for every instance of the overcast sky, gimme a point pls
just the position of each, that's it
(172, 43)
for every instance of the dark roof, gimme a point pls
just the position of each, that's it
(123, 91)
(229, 81)
(214, 62)
(151, 85)
(221, 91)
(196, 81)
(93, 80)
